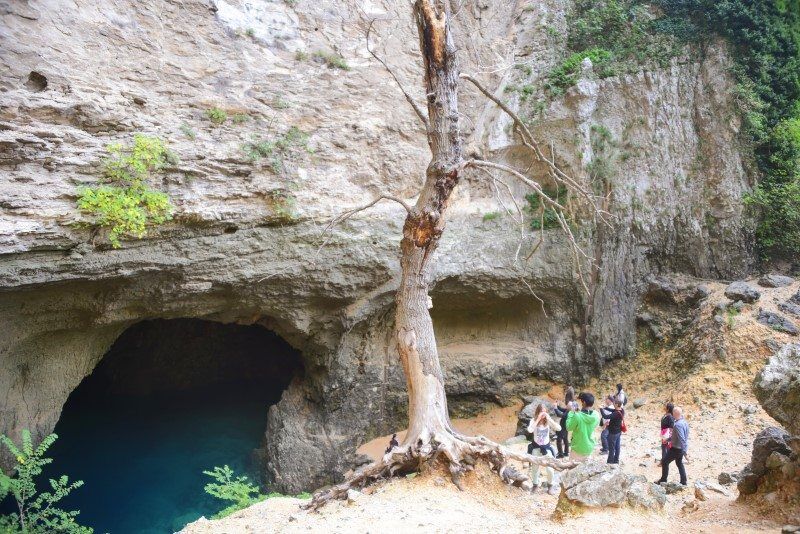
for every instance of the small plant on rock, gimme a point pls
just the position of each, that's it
(277, 150)
(217, 116)
(332, 60)
(127, 206)
(37, 511)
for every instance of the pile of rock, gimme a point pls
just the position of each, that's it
(773, 474)
(599, 485)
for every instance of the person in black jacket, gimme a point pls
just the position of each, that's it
(615, 431)
(667, 422)
(605, 413)
(562, 436)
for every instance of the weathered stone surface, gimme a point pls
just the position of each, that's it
(231, 255)
(775, 280)
(777, 322)
(726, 478)
(594, 484)
(790, 308)
(777, 387)
(769, 440)
(742, 291)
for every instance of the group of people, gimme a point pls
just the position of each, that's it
(574, 430)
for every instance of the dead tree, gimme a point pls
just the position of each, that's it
(430, 433)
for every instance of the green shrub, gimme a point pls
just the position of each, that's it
(37, 512)
(127, 206)
(544, 216)
(188, 132)
(240, 118)
(332, 60)
(565, 75)
(300, 55)
(277, 150)
(236, 490)
(216, 115)
(250, 32)
(491, 216)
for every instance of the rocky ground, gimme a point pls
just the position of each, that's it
(721, 408)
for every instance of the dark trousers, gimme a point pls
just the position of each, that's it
(664, 450)
(562, 442)
(614, 442)
(675, 455)
(604, 440)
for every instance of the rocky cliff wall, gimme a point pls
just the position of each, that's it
(75, 79)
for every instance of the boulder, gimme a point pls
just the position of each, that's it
(777, 387)
(775, 280)
(525, 415)
(795, 299)
(742, 291)
(790, 308)
(638, 403)
(769, 440)
(598, 485)
(726, 479)
(777, 322)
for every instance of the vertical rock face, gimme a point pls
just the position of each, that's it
(74, 80)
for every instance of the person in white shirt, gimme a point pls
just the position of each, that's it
(540, 426)
(621, 395)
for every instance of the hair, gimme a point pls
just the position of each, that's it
(612, 398)
(539, 409)
(670, 407)
(619, 388)
(587, 399)
(617, 403)
(569, 394)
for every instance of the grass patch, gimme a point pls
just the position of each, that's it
(217, 116)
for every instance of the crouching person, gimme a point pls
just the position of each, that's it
(540, 426)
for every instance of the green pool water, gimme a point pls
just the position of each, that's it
(142, 463)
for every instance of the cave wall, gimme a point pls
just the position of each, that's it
(232, 256)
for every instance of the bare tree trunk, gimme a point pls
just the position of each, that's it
(423, 228)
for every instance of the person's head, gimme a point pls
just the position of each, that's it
(569, 394)
(609, 400)
(617, 404)
(619, 388)
(538, 411)
(677, 412)
(587, 399)
(669, 407)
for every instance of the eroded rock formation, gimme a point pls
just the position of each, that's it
(245, 244)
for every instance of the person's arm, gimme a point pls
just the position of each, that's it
(571, 424)
(555, 427)
(531, 426)
(559, 411)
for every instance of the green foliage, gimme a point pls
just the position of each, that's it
(277, 150)
(216, 115)
(240, 118)
(543, 216)
(37, 511)
(601, 169)
(127, 206)
(237, 490)
(332, 60)
(300, 56)
(188, 132)
(565, 75)
(250, 32)
(618, 36)
(491, 216)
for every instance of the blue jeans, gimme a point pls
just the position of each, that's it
(604, 440)
(614, 441)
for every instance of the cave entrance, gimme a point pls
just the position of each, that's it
(169, 399)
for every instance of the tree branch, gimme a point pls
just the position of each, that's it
(349, 213)
(530, 141)
(417, 109)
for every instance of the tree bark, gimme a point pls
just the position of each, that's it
(416, 342)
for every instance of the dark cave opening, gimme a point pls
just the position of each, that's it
(169, 399)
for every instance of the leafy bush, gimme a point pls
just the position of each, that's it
(127, 206)
(543, 215)
(240, 118)
(216, 115)
(37, 512)
(491, 216)
(332, 60)
(234, 489)
(286, 145)
(566, 74)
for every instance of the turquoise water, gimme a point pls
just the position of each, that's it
(142, 463)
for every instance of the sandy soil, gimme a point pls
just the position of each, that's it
(717, 398)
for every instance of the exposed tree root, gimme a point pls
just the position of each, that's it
(458, 452)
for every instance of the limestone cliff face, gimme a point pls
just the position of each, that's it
(74, 79)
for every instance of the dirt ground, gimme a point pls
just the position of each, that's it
(721, 410)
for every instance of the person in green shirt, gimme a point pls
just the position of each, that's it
(582, 424)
